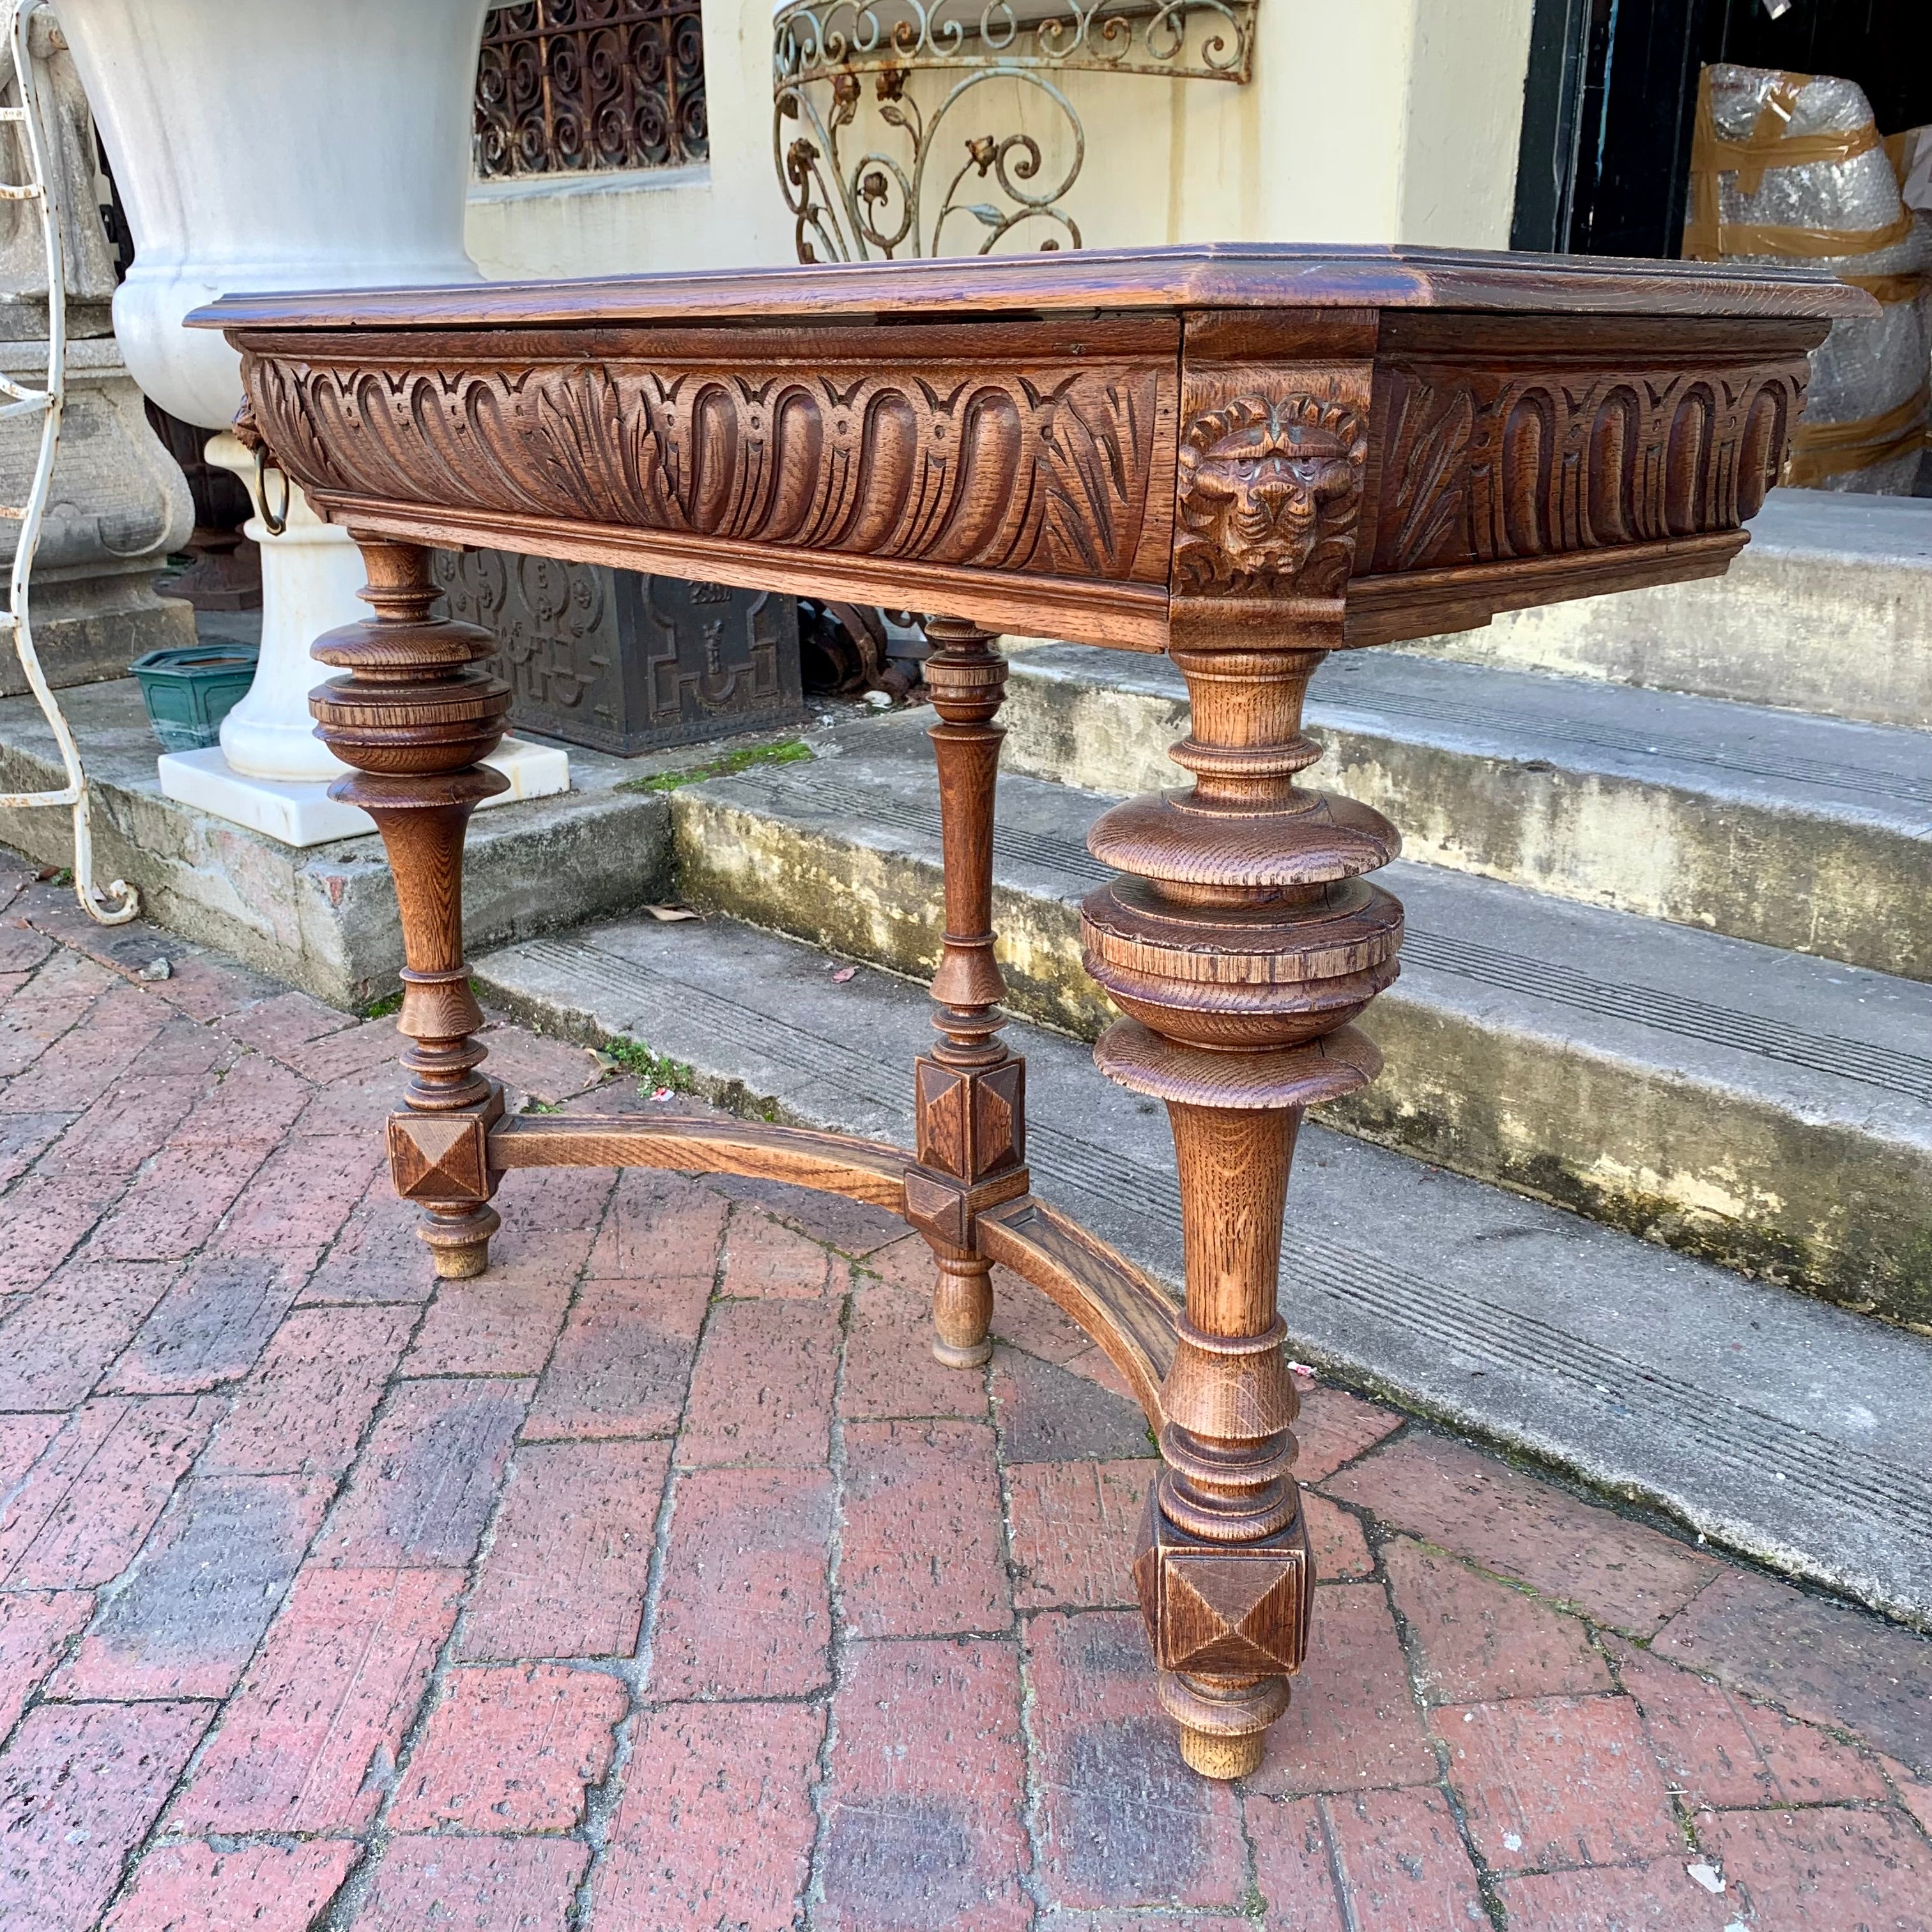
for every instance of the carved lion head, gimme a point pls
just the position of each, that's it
(1259, 480)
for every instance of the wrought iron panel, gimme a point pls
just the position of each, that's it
(590, 87)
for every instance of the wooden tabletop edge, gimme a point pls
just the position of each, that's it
(1220, 275)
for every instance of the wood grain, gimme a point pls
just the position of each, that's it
(1246, 456)
(1031, 468)
(867, 1171)
(970, 1091)
(1038, 462)
(412, 714)
(1221, 275)
(1127, 1312)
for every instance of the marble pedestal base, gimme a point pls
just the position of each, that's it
(305, 814)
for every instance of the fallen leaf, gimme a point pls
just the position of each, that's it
(672, 911)
(843, 974)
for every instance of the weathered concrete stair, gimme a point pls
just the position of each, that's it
(324, 918)
(1827, 610)
(1766, 1110)
(1792, 1431)
(1801, 833)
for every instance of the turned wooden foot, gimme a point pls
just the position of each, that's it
(970, 1092)
(459, 1243)
(413, 716)
(962, 1310)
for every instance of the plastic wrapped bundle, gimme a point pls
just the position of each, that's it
(1789, 168)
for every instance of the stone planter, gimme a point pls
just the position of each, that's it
(279, 144)
(119, 504)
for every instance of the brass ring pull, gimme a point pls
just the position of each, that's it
(274, 521)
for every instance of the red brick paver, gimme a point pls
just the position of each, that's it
(566, 1573)
(660, 1581)
(721, 1831)
(1557, 1781)
(745, 1608)
(924, 1803)
(475, 1884)
(191, 1887)
(510, 1748)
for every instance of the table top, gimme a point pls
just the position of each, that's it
(1220, 275)
(1115, 447)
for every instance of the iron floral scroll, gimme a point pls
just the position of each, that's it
(932, 183)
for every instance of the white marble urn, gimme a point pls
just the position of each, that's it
(280, 144)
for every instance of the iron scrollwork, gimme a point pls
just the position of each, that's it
(848, 207)
(590, 86)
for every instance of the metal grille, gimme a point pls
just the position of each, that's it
(589, 87)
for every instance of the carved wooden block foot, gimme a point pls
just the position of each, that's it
(970, 1092)
(442, 1160)
(1228, 1622)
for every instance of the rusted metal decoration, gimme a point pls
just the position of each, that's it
(564, 87)
(853, 199)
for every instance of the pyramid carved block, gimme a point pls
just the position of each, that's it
(969, 1122)
(442, 1156)
(1223, 1609)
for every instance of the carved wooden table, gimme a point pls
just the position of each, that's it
(1246, 457)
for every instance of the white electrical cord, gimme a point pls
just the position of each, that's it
(119, 902)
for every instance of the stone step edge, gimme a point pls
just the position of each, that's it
(1751, 1239)
(1656, 845)
(1823, 612)
(323, 918)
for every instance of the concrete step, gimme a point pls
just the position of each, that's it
(1827, 610)
(1764, 1110)
(1782, 1427)
(1806, 833)
(324, 917)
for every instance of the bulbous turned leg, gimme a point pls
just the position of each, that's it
(413, 717)
(1241, 945)
(970, 1092)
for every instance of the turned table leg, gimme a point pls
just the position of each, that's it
(413, 716)
(970, 1093)
(1241, 944)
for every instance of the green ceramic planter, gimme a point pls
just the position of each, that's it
(189, 689)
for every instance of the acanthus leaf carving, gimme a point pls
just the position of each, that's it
(1428, 449)
(996, 468)
(1484, 465)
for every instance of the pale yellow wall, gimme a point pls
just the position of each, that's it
(723, 215)
(1366, 121)
(1466, 62)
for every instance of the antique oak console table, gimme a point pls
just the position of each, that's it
(1244, 456)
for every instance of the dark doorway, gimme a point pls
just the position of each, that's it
(1605, 159)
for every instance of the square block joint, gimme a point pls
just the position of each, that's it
(444, 1158)
(1222, 1609)
(971, 1124)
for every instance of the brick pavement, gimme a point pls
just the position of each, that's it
(660, 1580)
